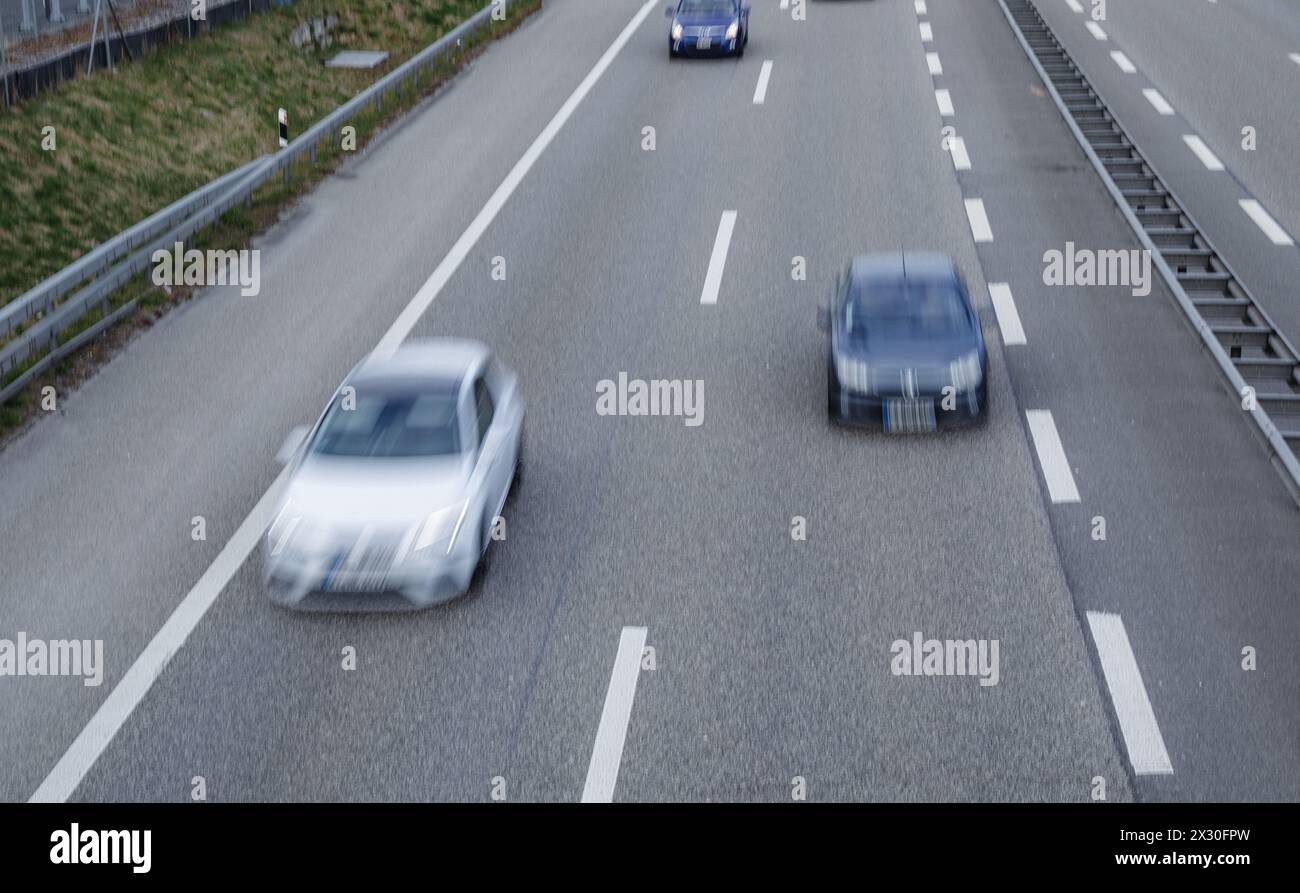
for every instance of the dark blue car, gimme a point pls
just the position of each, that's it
(708, 27)
(906, 350)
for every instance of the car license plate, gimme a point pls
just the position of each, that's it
(704, 42)
(909, 416)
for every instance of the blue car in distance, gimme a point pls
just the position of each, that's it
(906, 346)
(708, 27)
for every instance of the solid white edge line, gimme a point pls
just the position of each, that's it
(927, 33)
(1128, 694)
(760, 91)
(442, 274)
(1158, 102)
(933, 63)
(1124, 62)
(1004, 306)
(1276, 234)
(112, 714)
(80, 757)
(979, 221)
(1096, 31)
(957, 148)
(611, 734)
(718, 259)
(1202, 151)
(1051, 456)
(944, 100)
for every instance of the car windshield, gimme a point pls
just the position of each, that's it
(905, 309)
(391, 423)
(707, 6)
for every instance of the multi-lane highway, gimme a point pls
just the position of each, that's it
(1120, 658)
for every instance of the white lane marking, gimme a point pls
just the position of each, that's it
(979, 221)
(1125, 64)
(944, 99)
(1051, 456)
(1157, 101)
(760, 91)
(1264, 221)
(442, 275)
(718, 260)
(1295, 57)
(1137, 721)
(112, 714)
(1208, 158)
(932, 60)
(607, 752)
(919, 5)
(1005, 308)
(1074, 6)
(927, 33)
(957, 147)
(785, 4)
(127, 694)
(1096, 31)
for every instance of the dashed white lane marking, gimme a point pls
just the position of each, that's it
(1125, 64)
(1051, 456)
(72, 767)
(1264, 221)
(944, 100)
(1137, 721)
(1202, 151)
(718, 260)
(919, 5)
(1074, 6)
(927, 33)
(1005, 308)
(1096, 31)
(957, 148)
(932, 60)
(1295, 57)
(760, 91)
(979, 221)
(607, 752)
(785, 4)
(1157, 101)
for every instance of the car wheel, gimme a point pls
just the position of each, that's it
(832, 394)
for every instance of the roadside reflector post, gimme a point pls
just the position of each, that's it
(284, 128)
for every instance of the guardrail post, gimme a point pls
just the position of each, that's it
(285, 165)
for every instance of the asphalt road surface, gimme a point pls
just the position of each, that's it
(770, 665)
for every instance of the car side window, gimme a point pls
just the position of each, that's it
(483, 407)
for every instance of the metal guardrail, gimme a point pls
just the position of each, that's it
(185, 218)
(1165, 229)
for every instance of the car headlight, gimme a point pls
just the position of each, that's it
(853, 374)
(733, 29)
(677, 30)
(443, 524)
(966, 372)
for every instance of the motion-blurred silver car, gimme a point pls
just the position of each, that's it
(393, 493)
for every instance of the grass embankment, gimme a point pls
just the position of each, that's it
(134, 140)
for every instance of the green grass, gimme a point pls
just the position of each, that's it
(136, 139)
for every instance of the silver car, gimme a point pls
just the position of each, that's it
(393, 494)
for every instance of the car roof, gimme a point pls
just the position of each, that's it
(894, 265)
(449, 359)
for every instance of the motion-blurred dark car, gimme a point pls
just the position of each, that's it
(906, 349)
(708, 27)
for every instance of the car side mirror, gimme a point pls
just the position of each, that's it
(669, 12)
(293, 442)
(824, 317)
